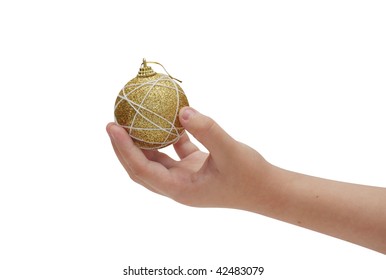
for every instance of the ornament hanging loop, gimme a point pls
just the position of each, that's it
(146, 70)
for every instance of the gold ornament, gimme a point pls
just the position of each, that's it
(148, 106)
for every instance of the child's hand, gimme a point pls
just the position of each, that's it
(223, 178)
(235, 176)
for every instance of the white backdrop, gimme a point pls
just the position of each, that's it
(300, 81)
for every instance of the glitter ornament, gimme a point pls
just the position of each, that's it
(148, 106)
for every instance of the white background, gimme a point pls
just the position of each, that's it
(300, 81)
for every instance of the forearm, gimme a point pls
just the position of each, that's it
(351, 212)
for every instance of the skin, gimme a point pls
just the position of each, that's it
(233, 175)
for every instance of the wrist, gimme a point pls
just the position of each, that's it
(269, 193)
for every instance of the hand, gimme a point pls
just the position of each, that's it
(233, 175)
(220, 178)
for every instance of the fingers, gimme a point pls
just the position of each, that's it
(207, 131)
(124, 164)
(148, 173)
(184, 147)
(134, 178)
(159, 157)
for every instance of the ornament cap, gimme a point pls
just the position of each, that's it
(145, 71)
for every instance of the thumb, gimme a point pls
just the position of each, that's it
(206, 131)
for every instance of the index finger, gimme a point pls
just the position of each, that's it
(135, 162)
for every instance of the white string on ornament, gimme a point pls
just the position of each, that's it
(150, 121)
(130, 102)
(172, 130)
(172, 126)
(139, 86)
(148, 128)
(143, 100)
(124, 97)
(161, 144)
(144, 84)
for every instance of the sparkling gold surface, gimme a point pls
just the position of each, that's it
(148, 107)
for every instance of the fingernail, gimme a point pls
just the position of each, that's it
(187, 113)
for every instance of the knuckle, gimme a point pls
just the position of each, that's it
(210, 124)
(208, 128)
(139, 171)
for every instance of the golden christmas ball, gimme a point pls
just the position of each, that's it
(148, 106)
